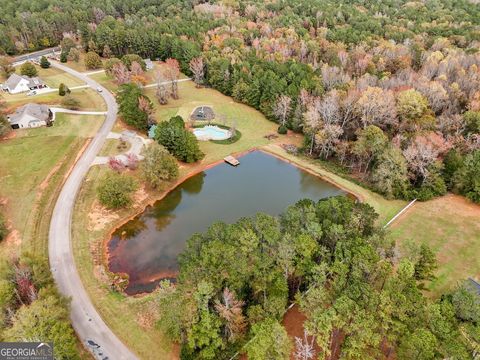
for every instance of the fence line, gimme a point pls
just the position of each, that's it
(400, 213)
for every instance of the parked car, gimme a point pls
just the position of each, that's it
(31, 93)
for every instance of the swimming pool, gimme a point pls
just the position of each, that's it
(211, 132)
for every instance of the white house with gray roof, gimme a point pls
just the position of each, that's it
(19, 83)
(30, 116)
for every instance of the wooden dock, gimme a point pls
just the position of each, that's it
(231, 160)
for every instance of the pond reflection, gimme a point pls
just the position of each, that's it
(147, 247)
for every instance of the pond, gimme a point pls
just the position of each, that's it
(146, 248)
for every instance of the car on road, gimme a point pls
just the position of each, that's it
(93, 344)
(99, 89)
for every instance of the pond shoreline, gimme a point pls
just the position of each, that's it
(151, 200)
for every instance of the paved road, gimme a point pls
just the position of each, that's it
(87, 322)
(166, 83)
(36, 54)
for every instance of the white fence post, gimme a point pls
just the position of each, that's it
(400, 213)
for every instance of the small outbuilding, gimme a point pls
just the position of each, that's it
(18, 83)
(31, 116)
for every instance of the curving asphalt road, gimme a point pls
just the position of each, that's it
(88, 324)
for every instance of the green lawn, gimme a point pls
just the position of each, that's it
(249, 121)
(112, 148)
(32, 165)
(53, 77)
(451, 226)
(88, 98)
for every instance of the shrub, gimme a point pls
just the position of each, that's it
(63, 90)
(3, 227)
(432, 187)
(63, 57)
(472, 122)
(452, 163)
(28, 69)
(92, 60)
(44, 63)
(71, 103)
(5, 127)
(73, 55)
(131, 58)
(282, 129)
(115, 190)
(159, 165)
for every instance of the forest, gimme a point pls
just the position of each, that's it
(388, 92)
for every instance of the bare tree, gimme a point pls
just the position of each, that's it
(282, 108)
(312, 123)
(230, 309)
(161, 93)
(121, 74)
(115, 164)
(422, 153)
(329, 107)
(327, 138)
(304, 349)
(376, 106)
(172, 73)
(145, 106)
(136, 69)
(333, 76)
(197, 67)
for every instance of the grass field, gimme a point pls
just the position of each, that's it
(111, 148)
(88, 98)
(451, 226)
(53, 77)
(32, 165)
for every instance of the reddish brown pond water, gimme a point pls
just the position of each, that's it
(146, 248)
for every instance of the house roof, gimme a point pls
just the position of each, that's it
(14, 79)
(34, 81)
(30, 112)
